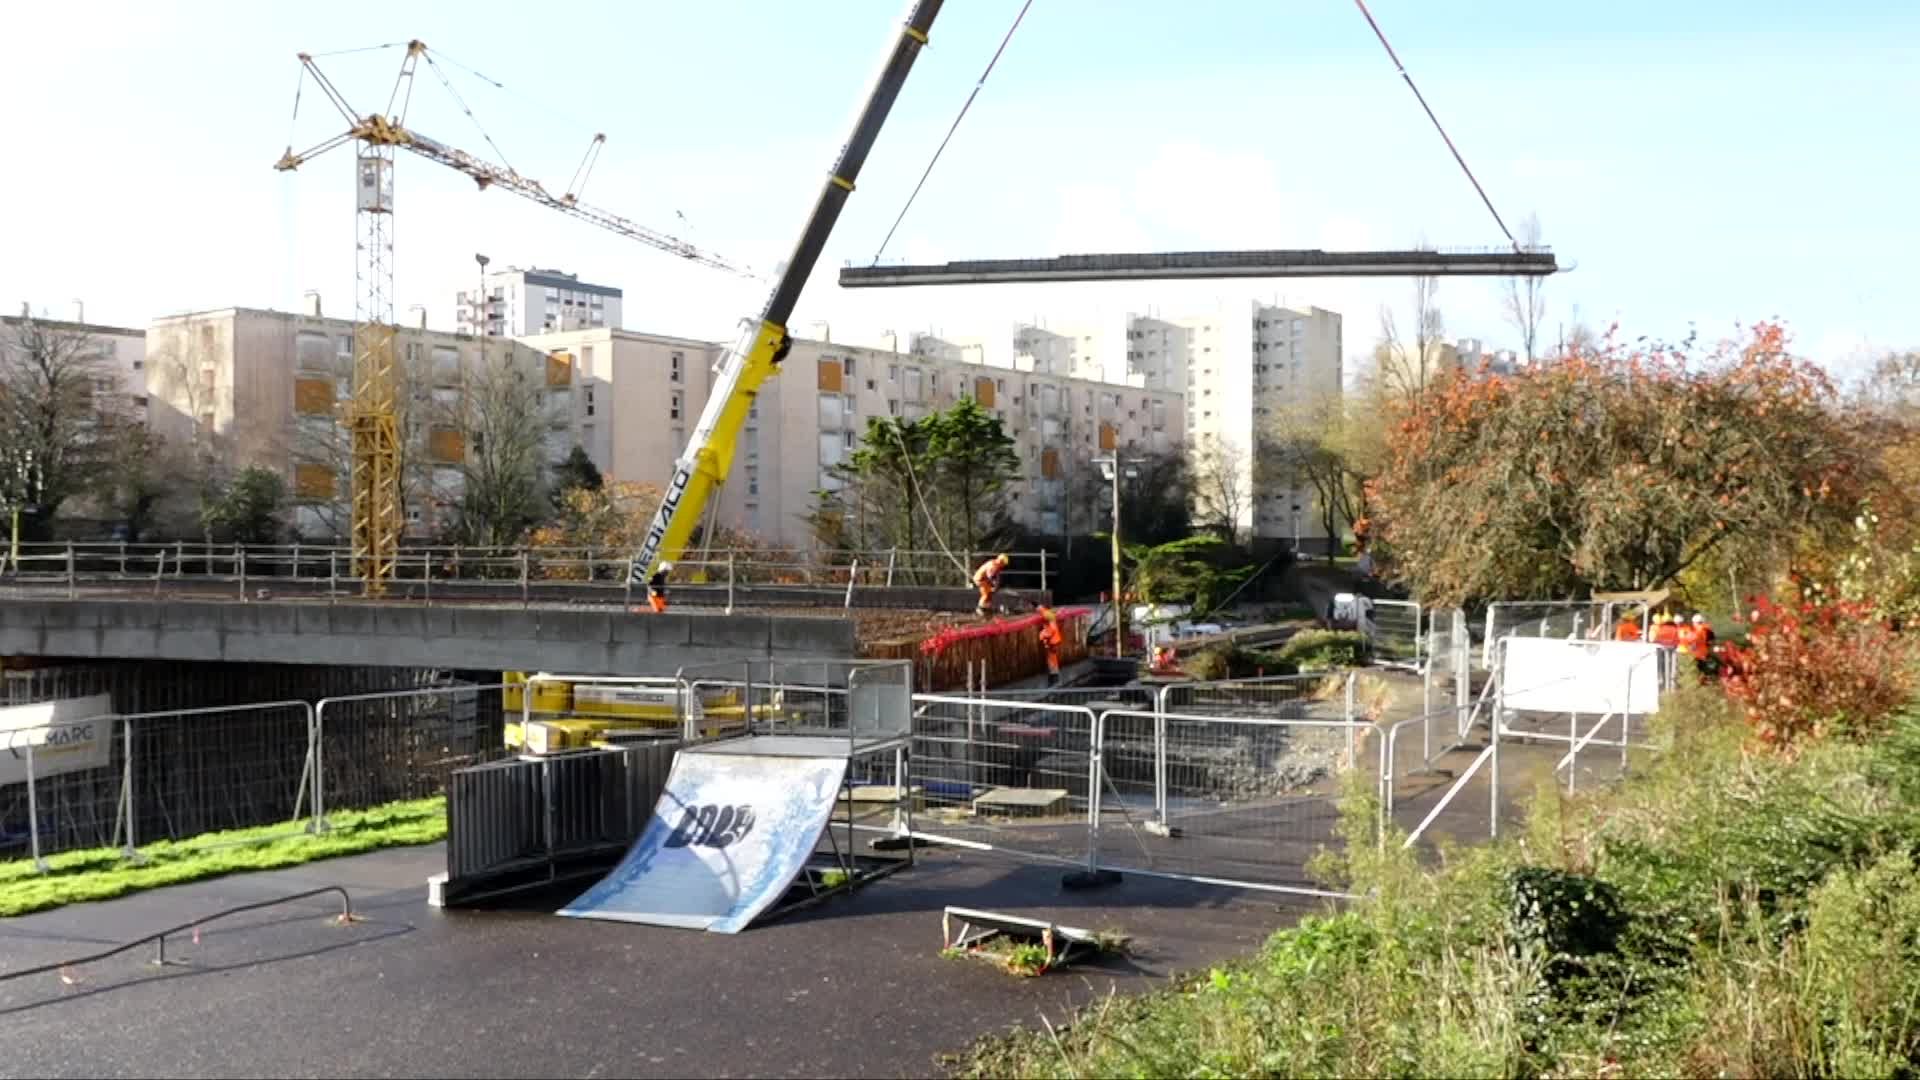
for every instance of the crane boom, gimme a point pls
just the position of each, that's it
(703, 466)
(487, 174)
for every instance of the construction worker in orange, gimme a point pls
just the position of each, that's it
(1051, 640)
(1684, 634)
(988, 579)
(1666, 631)
(1628, 628)
(1702, 637)
(657, 588)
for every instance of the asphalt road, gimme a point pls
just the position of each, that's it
(853, 987)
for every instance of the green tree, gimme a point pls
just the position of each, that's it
(944, 479)
(974, 465)
(575, 471)
(1201, 571)
(248, 510)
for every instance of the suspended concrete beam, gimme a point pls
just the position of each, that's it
(1209, 264)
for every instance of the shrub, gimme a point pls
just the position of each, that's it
(1324, 650)
(1817, 669)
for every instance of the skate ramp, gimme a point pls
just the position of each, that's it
(729, 834)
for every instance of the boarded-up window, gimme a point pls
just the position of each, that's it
(314, 482)
(560, 369)
(313, 397)
(1050, 463)
(447, 444)
(315, 351)
(1108, 436)
(830, 375)
(983, 392)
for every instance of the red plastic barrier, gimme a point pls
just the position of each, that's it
(951, 635)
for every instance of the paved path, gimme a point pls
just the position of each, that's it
(854, 987)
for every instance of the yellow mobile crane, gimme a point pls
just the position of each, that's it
(703, 466)
(378, 518)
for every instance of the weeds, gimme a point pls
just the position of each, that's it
(1719, 913)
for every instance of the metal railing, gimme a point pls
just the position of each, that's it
(496, 573)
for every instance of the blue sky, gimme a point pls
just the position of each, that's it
(1703, 162)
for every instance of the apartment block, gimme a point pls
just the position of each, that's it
(514, 302)
(274, 389)
(811, 416)
(1238, 377)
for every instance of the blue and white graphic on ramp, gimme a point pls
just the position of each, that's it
(730, 833)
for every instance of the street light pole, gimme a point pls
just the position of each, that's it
(1119, 619)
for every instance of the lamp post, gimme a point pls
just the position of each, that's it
(1110, 469)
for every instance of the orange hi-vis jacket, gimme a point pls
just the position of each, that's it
(988, 576)
(1685, 638)
(1628, 630)
(1050, 636)
(1666, 634)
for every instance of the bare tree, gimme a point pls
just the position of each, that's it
(1406, 367)
(1525, 297)
(501, 492)
(62, 408)
(1222, 485)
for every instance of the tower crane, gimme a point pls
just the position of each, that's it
(377, 515)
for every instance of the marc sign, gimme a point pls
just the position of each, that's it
(66, 736)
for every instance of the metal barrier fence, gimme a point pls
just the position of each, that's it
(1396, 634)
(119, 780)
(1012, 776)
(371, 749)
(1228, 800)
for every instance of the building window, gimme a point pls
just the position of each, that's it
(753, 516)
(679, 440)
(753, 479)
(893, 406)
(893, 372)
(849, 367)
(753, 442)
(847, 438)
(673, 409)
(346, 344)
(589, 397)
(675, 365)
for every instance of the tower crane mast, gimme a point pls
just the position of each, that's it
(378, 518)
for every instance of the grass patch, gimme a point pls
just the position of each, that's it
(1719, 913)
(101, 873)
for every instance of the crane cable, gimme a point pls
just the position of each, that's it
(462, 102)
(956, 126)
(1421, 98)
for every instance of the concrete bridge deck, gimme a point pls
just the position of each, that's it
(373, 634)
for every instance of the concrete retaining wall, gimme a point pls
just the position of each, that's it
(463, 638)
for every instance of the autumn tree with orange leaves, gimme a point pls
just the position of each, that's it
(1615, 469)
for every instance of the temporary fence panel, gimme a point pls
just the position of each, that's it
(1544, 619)
(378, 748)
(1012, 776)
(1280, 697)
(1395, 633)
(232, 767)
(1241, 801)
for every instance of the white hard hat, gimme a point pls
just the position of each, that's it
(664, 565)
(1699, 618)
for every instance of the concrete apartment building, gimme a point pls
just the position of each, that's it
(1237, 377)
(813, 414)
(275, 386)
(518, 302)
(1080, 352)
